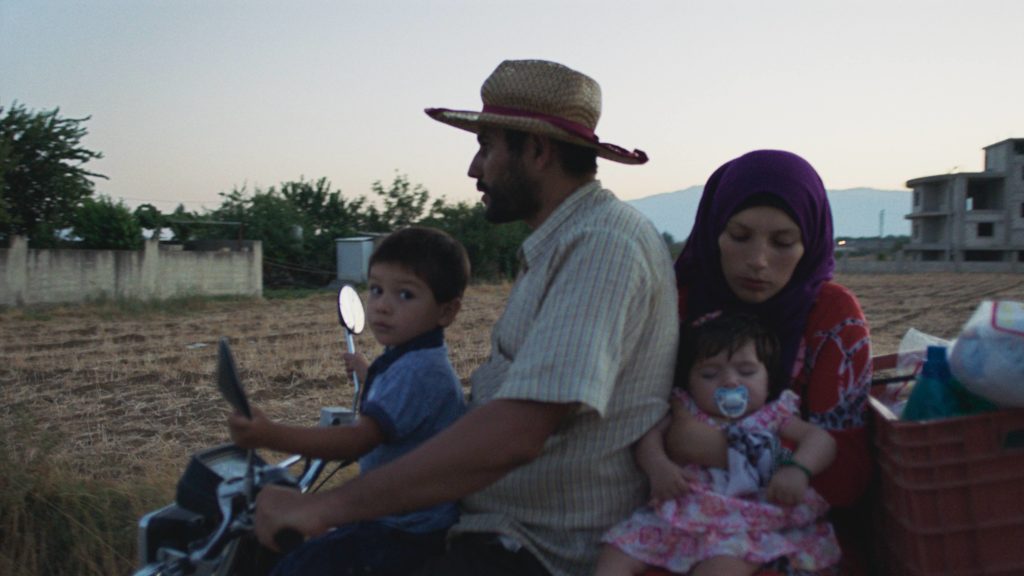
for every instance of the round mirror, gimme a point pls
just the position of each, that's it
(350, 309)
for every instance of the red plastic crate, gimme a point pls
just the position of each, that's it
(952, 494)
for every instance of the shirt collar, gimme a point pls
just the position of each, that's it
(537, 242)
(430, 339)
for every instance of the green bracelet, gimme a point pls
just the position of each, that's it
(795, 464)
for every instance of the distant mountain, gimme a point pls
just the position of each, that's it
(855, 212)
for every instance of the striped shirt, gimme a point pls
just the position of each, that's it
(591, 321)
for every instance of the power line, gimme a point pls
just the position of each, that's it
(279, 264)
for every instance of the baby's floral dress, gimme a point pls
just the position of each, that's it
(715, 519)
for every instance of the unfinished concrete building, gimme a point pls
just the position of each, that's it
(971, 216)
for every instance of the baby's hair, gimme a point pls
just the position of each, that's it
(713, 333)
(432, 255)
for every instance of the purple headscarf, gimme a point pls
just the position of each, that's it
(763, 177)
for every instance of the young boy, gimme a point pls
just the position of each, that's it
(416, 280)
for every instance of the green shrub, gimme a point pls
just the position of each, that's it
(102, 224)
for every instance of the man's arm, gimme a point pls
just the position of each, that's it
(476, 451)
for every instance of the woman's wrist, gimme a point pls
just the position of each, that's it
(789, 462)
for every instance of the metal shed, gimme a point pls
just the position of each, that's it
(353, 256)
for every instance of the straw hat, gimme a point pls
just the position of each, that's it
(543, 98)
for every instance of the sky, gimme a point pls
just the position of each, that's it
(190, 98)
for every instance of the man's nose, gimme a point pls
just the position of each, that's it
(474, 168)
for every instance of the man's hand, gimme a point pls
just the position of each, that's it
(279, 509)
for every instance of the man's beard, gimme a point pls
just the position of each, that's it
(514, 197)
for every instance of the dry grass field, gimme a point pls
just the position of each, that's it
(128, 393)
(122, 394)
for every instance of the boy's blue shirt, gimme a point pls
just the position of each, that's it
(412, 392)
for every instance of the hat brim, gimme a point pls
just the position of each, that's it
(471, 121)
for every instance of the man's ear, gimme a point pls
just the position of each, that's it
(540, 151)
(448, 312)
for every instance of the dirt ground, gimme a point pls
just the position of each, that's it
(120, 394)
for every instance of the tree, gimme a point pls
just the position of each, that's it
(101, 224)
(149, 217)
(492, 248)
(42, 174)
(404, 205)
(269, 217)
(182, 223)
(325, 215)
(299, 222)
(326, 211)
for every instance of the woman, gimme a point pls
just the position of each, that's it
(762, 243)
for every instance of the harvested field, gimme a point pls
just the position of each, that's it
(123, 394)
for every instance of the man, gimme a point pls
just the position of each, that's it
(581, 360)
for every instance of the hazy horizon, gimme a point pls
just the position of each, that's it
(193, 98)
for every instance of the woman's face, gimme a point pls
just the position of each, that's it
(760, 249)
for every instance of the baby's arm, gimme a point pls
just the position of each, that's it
(815, 450)
(690, 441)
(346, 442)
(356, 363)
(667, 479)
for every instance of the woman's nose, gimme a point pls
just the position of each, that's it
(757, 258)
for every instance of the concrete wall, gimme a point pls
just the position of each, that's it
(156, 272)
(862, 266)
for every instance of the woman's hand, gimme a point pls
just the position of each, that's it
(249, 433)
(356, 363)
(787, 486)
(815, 450)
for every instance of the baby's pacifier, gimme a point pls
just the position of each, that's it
(732, 402)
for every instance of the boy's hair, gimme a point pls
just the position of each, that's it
(729, 331)
(432, 255)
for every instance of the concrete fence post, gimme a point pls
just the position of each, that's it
(14, 272)
(256, 271)
(150, 270)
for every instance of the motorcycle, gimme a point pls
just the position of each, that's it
(208, 529)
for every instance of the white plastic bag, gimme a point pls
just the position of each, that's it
(914, 347)
(988, 356)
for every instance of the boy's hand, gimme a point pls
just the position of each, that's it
(787, 486)
(248, 433)
(356, 363)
